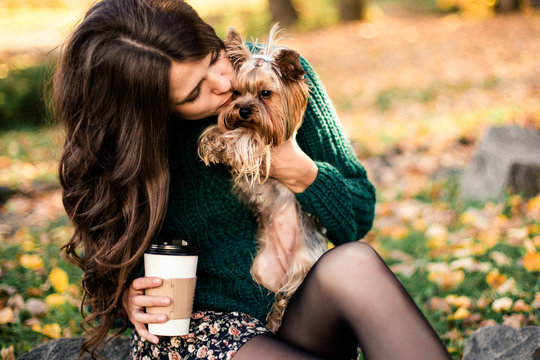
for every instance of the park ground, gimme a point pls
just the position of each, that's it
(415, 92)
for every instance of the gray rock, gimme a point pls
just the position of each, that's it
(69, 348)
(501, 342)
(507, 156)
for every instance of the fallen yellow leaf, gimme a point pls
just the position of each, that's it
(490, 238)
(54, 331)
(536, 240)
(396, 232)
(460, 314)
(482, 303)
(509, 286)
(536, 302)
(419, 224)
(28, 245)
(515, 320)
(447, 279)
(59, 279)
(459, 301)
(521, 306)
(31, 261)
(533, 208)
(437, 235)
(7, 315)
(494, 279)
(8, 353)
(74, 290)
(531, 261)
(22, 235)
(502, 304)
(54, 300)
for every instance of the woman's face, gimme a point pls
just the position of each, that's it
(201, 88)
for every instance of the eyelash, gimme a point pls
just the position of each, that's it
(194, 97)
(215, 57)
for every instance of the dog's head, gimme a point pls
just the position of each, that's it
(270, 91)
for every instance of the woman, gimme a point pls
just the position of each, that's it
(137, 83)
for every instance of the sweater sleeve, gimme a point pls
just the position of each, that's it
(341, 197)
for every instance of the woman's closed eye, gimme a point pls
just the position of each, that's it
(194, 95)
(216, 55)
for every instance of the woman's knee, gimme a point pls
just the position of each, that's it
(349, 262)
(351, 255)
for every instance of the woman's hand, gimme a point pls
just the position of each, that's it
(134, 302)
(292, 166)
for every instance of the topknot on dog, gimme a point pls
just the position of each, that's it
(269, 57)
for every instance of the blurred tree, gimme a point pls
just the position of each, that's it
(504, 6)
(283, 12)
(21, 4)
(351, 9)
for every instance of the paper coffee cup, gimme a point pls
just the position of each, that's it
(176, 264)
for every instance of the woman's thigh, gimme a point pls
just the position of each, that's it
(313, 324)
(269, 347)
(318, 316)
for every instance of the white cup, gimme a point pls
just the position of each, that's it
(176, 264)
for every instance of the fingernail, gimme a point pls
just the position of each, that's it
(163, 318)
(165, 301)
(157, 281)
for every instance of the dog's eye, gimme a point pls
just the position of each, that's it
(265, 94)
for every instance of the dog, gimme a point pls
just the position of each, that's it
(269, 99)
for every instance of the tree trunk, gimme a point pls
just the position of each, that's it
(350, 10)
(504, 6)
(283, 12)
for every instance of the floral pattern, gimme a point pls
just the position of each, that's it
(213, 335)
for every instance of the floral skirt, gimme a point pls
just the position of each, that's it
(213, 335)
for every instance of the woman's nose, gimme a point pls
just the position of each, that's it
(221, 82)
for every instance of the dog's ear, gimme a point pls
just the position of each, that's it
(236, 49)
(288, 62)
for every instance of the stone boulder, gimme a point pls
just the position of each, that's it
(501, 342)
(69, 348)
(508, 156)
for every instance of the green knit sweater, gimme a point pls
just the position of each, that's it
(203, 210)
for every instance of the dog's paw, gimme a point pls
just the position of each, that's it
(210, 145)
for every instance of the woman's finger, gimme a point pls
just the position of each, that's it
(148, 300)
(145, 334)
(145, 283)
(145, 318)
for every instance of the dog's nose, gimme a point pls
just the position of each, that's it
(245, 112)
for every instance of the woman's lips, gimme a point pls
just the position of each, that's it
(227, 102)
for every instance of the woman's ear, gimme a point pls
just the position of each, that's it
(288, 62)
(236, 49)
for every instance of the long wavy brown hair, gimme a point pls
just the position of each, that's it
(111, 95)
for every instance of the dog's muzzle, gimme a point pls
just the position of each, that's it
(245, 112)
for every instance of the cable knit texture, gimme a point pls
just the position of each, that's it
(203, 210)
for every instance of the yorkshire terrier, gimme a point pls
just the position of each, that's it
(270, 97)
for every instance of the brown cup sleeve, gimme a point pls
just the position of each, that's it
(181, 292)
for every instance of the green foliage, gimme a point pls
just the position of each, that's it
(13, 334)
(384, 98)
(22, 98)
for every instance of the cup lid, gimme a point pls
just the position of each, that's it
(175, 247)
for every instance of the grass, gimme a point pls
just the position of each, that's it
(23, 280)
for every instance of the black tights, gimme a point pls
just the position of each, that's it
(349, 298)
